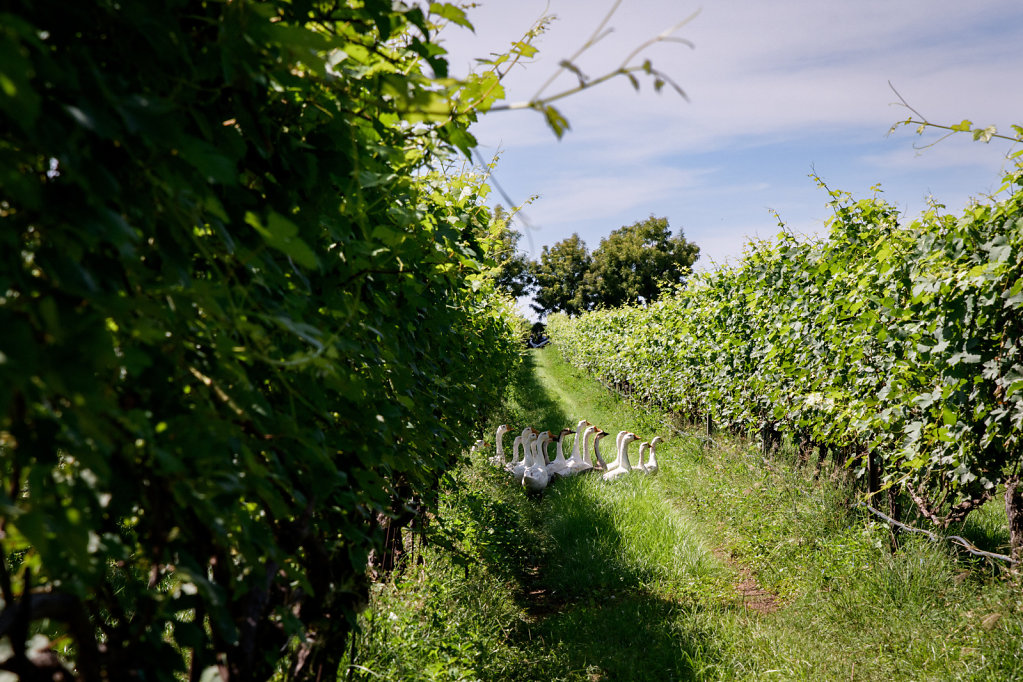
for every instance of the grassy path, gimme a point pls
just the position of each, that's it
(722, 566)
(620, 565)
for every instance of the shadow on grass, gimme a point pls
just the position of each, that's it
(597, 613)
(633, 636)
(588, 616)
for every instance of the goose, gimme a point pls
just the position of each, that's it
(528, 444)
(579, 429)
(559, 463)
(536, 477)
(561, 466)
(577, 463)
(639, 465)
(542, 443)
(651, 463)
(515, 452)
(598, 461)
(589, 438)
(478, 445)
(545, 447)
(623, 459)
(533, 457)
(519, 440)
(498, 459)
(618, 451)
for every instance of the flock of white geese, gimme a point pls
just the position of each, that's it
(536, 469)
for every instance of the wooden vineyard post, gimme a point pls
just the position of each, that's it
(895, 512)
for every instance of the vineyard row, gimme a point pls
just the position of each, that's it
(895, 345)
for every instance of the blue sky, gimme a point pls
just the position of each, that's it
(776, 90)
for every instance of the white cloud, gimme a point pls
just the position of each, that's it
(775, 88)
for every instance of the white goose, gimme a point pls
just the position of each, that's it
(651, 463)
(639, 465)
(618, 451)
(588, 439)
(579, 429)
(528, 445)
(544, 448)
(577, 463)
(623, 467)
(515, 452)
(533, 457)
(519, 440)
(498, 459)
(536, 477)
(598, 461)
(559, 464)
(540, 446)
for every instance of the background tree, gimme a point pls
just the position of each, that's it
(634, 261)
(559, 275)
(630, 266)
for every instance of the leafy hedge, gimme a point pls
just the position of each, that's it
(244, 324)
(901, 342)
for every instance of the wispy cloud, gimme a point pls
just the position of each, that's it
(775, 89)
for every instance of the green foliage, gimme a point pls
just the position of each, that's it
(559, 275)
(244, 321)
(633, 264)
(904, 340)
(636, 262)
(512, 271)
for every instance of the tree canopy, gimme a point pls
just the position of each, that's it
(559, 277)
(632, 265)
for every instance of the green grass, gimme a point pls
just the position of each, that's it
(722, 566)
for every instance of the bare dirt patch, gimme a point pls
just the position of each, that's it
(754, 597)
(538, 601)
